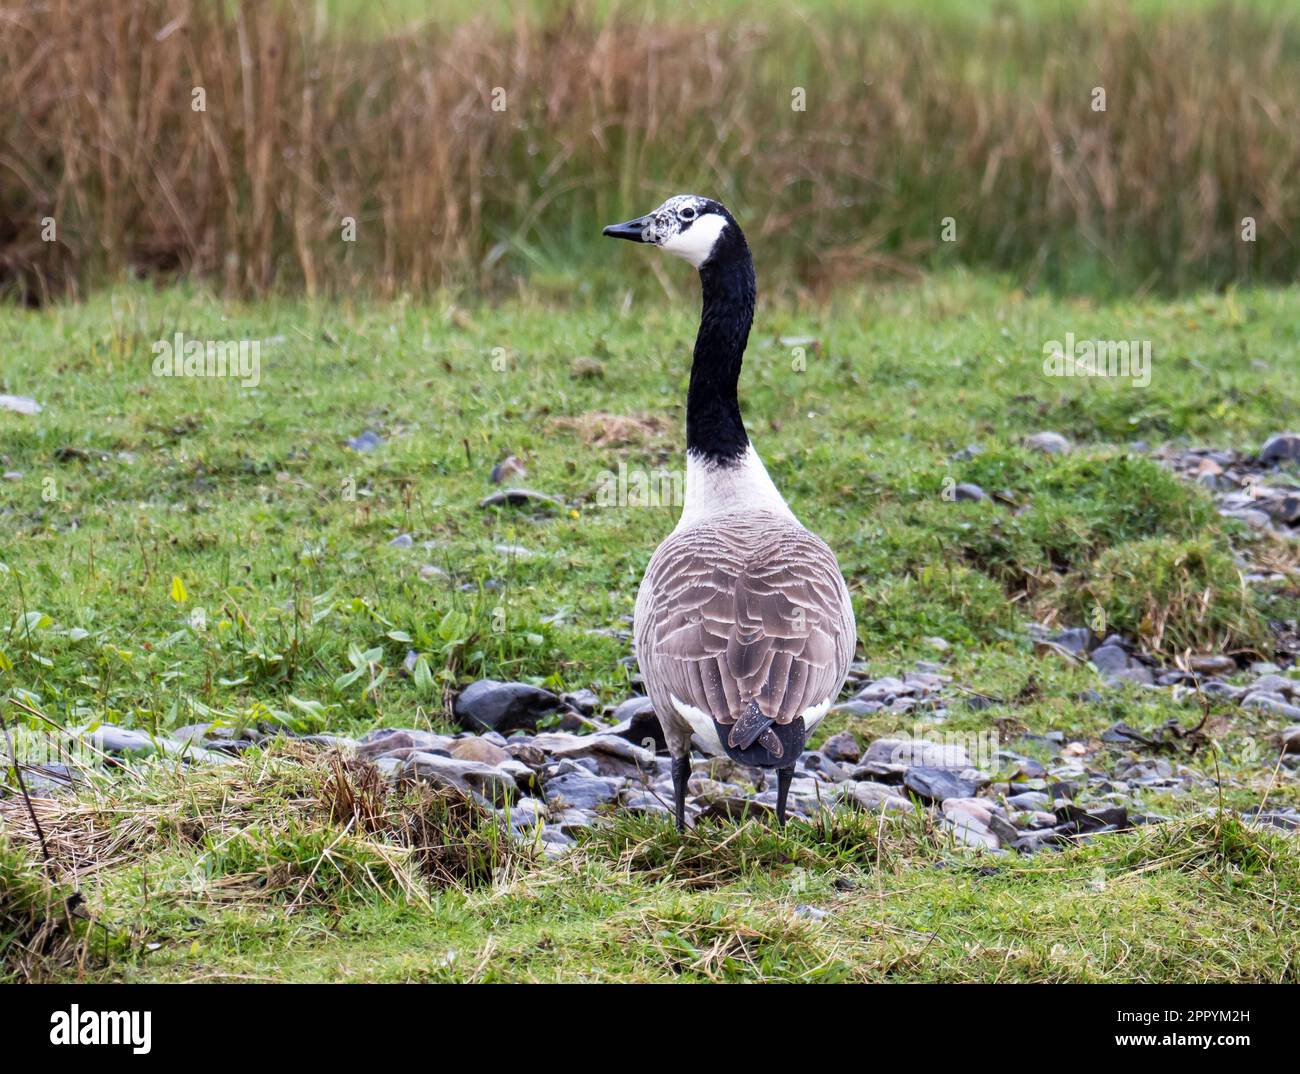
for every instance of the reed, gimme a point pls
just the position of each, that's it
(908, 121)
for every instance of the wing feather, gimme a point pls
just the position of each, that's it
(744, 608)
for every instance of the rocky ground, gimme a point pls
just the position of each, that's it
(549, 784)
(552, 765)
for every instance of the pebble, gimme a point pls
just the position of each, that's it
(518, 497)
(1279, 448)
(509, 467)
(842, 747)
(489, 783)
(1049, 443)
(503, 706)
(1271, 703)
(938, 784)
(480, 750)
(366, 441)
(20, 404)
(581, 790)
(1290, 739)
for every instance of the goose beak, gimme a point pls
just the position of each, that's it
(633, 230)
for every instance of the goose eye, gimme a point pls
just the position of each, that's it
(686, 213)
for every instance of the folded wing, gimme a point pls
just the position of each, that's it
(745, 609)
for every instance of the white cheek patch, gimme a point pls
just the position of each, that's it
(697, 241)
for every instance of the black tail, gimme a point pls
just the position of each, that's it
(748, 726)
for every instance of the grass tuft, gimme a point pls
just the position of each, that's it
(40, 935)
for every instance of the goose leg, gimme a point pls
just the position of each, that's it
(681, 773)
(783, 776)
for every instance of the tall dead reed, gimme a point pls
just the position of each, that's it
(235, 142)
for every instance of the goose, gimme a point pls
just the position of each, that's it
(743, 628)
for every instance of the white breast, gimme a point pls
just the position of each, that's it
(712, 489)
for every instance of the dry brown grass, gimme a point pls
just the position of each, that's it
(41, 931)
(600, 429)
(907, 121)
(289, 823)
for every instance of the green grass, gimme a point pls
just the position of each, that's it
(143, 499)
(849, 899)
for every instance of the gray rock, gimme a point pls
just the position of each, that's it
(737, 807)
(883, 690)
(1216, 687)
(644, 803)
(572, 821)
(1284, 508)
(969, 492)
(525, 778)
(1029, 800)
(612, 755)
(1074, 820)
(581, 790)
(1281, 447)
(1287, 820)
(1049, 443)
(526, 813)
(110, 738)
(1076, 640)
(857, 707)
(865, 794)
(1271, 703)
(1291, 739)
(390, 741)
(1249, 515)
(338, 742)
(518, 497)
(402, 540)
(488, 705)
(972, 833)
(1037, 818)
(507, 467)
(469, 777)
(1212, 664)
(20, 404)
(823, 766)
(635, 720)
(1135, 672)
(893, 756)
(584, 700)
(48, 780)
(1006, 832)
(1033, 841)
(842, 747)
(1109, 659)
(936, 784)
(1277, 684)
(366, 441)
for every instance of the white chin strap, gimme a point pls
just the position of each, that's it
(697, 241)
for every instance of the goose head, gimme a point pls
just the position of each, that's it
(694, 228)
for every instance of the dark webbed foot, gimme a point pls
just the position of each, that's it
(681, 773)
(783, 777)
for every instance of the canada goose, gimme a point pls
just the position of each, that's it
(743, 627)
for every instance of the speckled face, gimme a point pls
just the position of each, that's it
(673, 217)
(686, 225)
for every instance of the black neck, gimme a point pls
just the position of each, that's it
(713, 426)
